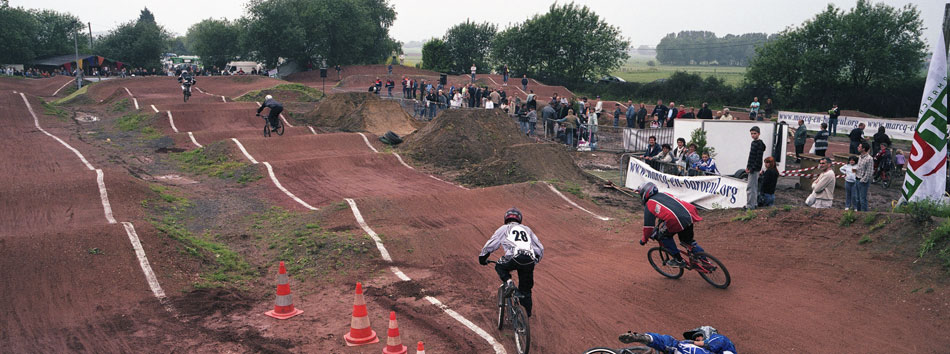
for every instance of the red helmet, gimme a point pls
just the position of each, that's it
(513, 214)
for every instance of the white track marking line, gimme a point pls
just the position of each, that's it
(155, 109)
(62, 87)
(223, 99)
(143, 262)
(442, 180)
(499, 349)
(134, 100)
(172, 121)
(402, 276)
(270, 171)
(359, 220)
(311, 130)
(575, 204)
(241, 146)
(403, 162)
(36, 121)
(104, 195)
(367, 143)
(107, 208)
(285, 121)
(192, 136)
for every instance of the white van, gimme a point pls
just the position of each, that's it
(235, 66)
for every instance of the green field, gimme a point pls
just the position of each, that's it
(637, 70)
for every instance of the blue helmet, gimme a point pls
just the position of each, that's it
(647, 190)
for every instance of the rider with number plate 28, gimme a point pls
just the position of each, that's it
(700, 340)
(678, 217)
(522, 251)
(275, 109)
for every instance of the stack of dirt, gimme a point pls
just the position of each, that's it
(362, 111)
(486, 146)
(522, 163)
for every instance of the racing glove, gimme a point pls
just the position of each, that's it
(483, 260)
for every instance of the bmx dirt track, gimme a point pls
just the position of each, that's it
(800, 282)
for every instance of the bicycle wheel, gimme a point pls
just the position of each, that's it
(501, 307)
(266, 129)
(712, 270)
(658, 257)
(522, 332)
(600, 350)
(280, 128)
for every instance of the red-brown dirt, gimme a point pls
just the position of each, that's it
(801, 282)
(361, 112)
(36, 87)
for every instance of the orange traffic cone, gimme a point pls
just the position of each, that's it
(360, 332)
(284, 308)
(393, 343)
(420, 349)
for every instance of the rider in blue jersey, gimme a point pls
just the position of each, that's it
(700, 340)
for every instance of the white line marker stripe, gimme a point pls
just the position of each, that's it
(143, 262)
(129, 92)
(367, 142)
(36, 121)
(172, 121)
(136, 101)
(402, 162)
(270, 171)
(575, 204)
(285, 121)
(62, 87)
(359, 220)
(311, 130)
(499, 349)
(155, 109)
(241, 146)
(223, 100)
(104, 195)
(192, 136)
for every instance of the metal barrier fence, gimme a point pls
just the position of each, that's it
(663, 167)
(606, 137)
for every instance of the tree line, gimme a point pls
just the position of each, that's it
(567, 43)
(705, 48)
(30, 34)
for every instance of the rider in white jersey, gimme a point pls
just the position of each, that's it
(522, 251)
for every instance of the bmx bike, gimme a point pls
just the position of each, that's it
(708, 267)
(267, 128)
(628, 350)
(509, 308)
(186, 92)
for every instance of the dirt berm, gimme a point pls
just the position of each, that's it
(487, 147)
(362, 111)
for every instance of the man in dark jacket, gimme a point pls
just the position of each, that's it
(857, 137)
(753, 167)
(660, 111)
(631, 114)
(275, 109)
(705, 112)
(642, 116)
(653, 148)
(548, 114)
(833, 115)
(880, 138)
(801, 136)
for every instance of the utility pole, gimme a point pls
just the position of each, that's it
(90, 38)
(76, 44)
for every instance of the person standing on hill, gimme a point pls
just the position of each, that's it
(524, 82)
(549, 115)
(801, 136)
(833, 115)
(704, 112)
(821, 140)
(504, 75)
(473, 73)
(753, 166)
(725, 115)
(864, 173)
(857, 137)
(670, 115)
(642, 115)
(768, 108)
(532, 100)
(631, 114)
(754, 109)
(659, 110)
(390, 69)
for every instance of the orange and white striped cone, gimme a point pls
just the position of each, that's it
(420, 348)
(284, 308)
(393, 343)
(360, 331)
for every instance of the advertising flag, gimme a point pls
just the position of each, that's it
(927, 164)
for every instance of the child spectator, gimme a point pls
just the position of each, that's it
(707, 164)
(900, 160)
(849, 179)
(769, 180)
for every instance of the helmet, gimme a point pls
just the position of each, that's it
(704, 331)
(268, 97)
(513, 214)
(647, 190)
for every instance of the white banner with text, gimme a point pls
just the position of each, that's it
(896, 129)
(710, 192)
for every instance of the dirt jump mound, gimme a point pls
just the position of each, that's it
(522, 163)
(362, 111)
(460, 138)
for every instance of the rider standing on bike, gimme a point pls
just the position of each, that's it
(275, 109)
(522, 251)
(186, 80)
(677, 217)
(700, 340)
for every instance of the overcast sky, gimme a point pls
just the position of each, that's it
(419, 20)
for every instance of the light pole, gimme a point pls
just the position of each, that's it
(76, 45)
